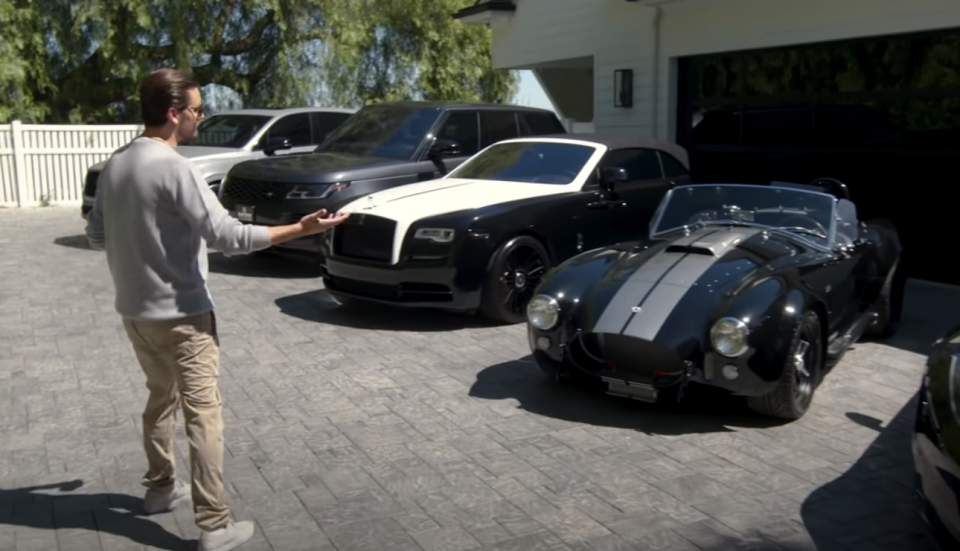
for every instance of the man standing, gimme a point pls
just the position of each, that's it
(154, 215)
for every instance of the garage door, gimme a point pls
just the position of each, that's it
(883, 115)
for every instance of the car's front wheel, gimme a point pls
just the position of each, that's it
(516, 271)
(792, 396)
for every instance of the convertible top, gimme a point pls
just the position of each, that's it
(623, 140)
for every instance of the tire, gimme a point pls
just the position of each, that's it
(515, 271)
(794, 392)
(885, 325)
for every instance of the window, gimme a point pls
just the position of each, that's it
(462, 127)
(390, 131)
(227, 130)
(326, 122)
(498, 126)
(295, 128)
(528, 162)
(640, 164)
(671, 167)
(539, 124)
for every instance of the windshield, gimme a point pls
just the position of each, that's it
(805, 213)
(532, 162)
(233, 131)
(390, 131)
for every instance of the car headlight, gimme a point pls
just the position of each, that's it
(316, 191)
(729, 337)
(439, 235)
(543, 312)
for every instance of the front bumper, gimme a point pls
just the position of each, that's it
(282, 214)
(409, 284)
(565, 352)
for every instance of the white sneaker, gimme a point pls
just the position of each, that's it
(159, 501)
(226, 538)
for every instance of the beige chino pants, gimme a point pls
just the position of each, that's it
(181, 361)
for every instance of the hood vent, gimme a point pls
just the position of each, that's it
(694, 248)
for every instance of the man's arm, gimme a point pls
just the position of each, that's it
(95, 233)
(222, 232)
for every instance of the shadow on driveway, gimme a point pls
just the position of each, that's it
(110, 513)
(267, 265)
(701, 411)
(873, 499)
(319, 306)
(929, 311)
(74, 242)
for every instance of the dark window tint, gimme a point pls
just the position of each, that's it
(461, 127)
(295, 128)
(383, 130)
(671, 167)
(324, 123)
(533, 162)
(539, 124)
(227, 130)
(498, 126)
(641, 164)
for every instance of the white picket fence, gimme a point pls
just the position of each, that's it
(45, 164)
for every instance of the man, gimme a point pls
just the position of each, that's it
(154, 215)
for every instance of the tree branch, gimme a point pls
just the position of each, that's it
(225, 12)
(233, 47)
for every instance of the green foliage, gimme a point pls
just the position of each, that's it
(80, 61)
(386, 50)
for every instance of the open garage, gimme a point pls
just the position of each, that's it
(864, 91)
(879, 114)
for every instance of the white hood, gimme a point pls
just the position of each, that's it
(412, 202)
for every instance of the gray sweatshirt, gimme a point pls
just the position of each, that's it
(155, 216)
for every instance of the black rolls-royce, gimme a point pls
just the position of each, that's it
(756, 289)
(481, 238)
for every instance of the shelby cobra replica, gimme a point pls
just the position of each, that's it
(754, 289)
(936, 443)
(482, 237)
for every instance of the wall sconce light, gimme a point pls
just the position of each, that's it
(623, 88)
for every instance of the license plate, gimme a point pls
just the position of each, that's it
(244, 213)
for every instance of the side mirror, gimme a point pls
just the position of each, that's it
(442, 148)
(276, 144)
(610, 176)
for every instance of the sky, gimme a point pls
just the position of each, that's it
(531, 93)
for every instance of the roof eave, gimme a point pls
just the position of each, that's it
(483, 13)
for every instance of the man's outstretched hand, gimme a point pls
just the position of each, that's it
(319, 221)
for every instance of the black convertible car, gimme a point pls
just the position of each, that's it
(750, 288)
(481, 238)
(936, 443)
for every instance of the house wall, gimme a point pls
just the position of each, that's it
(649, 39)
(692, 27)
(570, 90)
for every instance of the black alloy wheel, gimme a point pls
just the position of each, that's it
(516, 271)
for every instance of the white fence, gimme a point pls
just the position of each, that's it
(46, 164)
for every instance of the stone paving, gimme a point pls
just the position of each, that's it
(369, 429)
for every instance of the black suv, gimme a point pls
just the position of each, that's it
(381, 146)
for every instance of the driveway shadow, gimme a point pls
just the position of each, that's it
(266, 264)
(319, 306)
(929, 311)
(74, 242)
(702, 409)
(873, 499)
(111, 513)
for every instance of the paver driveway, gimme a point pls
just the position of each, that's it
(393, 431)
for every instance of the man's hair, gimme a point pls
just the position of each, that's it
(161, 90)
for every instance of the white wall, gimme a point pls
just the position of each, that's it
(622, 35)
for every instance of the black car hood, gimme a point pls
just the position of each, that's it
(671, 290)
(308, 168)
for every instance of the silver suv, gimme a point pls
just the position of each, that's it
(229, 137)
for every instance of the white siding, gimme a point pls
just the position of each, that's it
(625, 40)
(545, 30)
(694, 27)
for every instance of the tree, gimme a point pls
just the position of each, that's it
(81, 60)
(384, 50)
